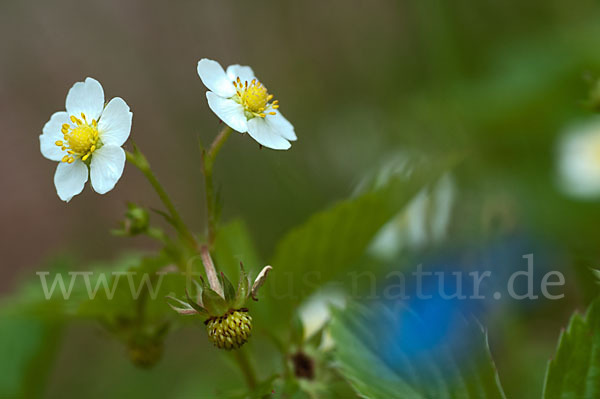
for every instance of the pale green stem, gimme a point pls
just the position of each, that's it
(246, 366)
(140, 161)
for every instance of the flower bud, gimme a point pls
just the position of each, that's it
(136, 220)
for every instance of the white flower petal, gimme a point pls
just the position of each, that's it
(228, 111)
(266, 134)
(214, 78)
(579, 163)
(315, 311)
(87, 98)
(69, 179)
(115, 123)
(106, 168)
(245, 73)
(282, 125)
(51, 134)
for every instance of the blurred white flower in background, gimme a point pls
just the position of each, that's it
(579, 160)
(315, 313)
(239, 99)
(87, 140)
(424, 221)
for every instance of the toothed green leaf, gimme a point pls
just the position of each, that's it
(575, 370)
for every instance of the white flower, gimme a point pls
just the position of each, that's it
(579, 160)
(243, 103)
(315, 312)
(423, 222)
(87, 136)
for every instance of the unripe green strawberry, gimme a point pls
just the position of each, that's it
(231, 330)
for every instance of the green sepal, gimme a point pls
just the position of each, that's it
(243, 289)
(228, 289)
(195, 304)
(213, 302)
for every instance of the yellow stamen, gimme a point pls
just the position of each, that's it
(79, 141)
(253, 96)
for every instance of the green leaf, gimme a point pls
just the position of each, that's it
(334, 239)
(379, 363)
(28, 347)
(575, 370)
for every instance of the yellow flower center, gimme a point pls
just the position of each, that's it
(79, 141)
(254, 98)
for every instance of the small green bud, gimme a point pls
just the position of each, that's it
(145, 351)
(231, 330)
(136, 220)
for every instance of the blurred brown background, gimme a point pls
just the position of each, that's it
(343, 71)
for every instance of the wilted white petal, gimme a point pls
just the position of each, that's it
(228, 111)
(214, 78)
(106, 168)
(69, 179)
(260, 280)
(266, 134)
(87, 98)
(115, 123)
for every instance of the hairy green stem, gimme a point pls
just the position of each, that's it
(139, 160)
(247, 369)
(209, 158)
